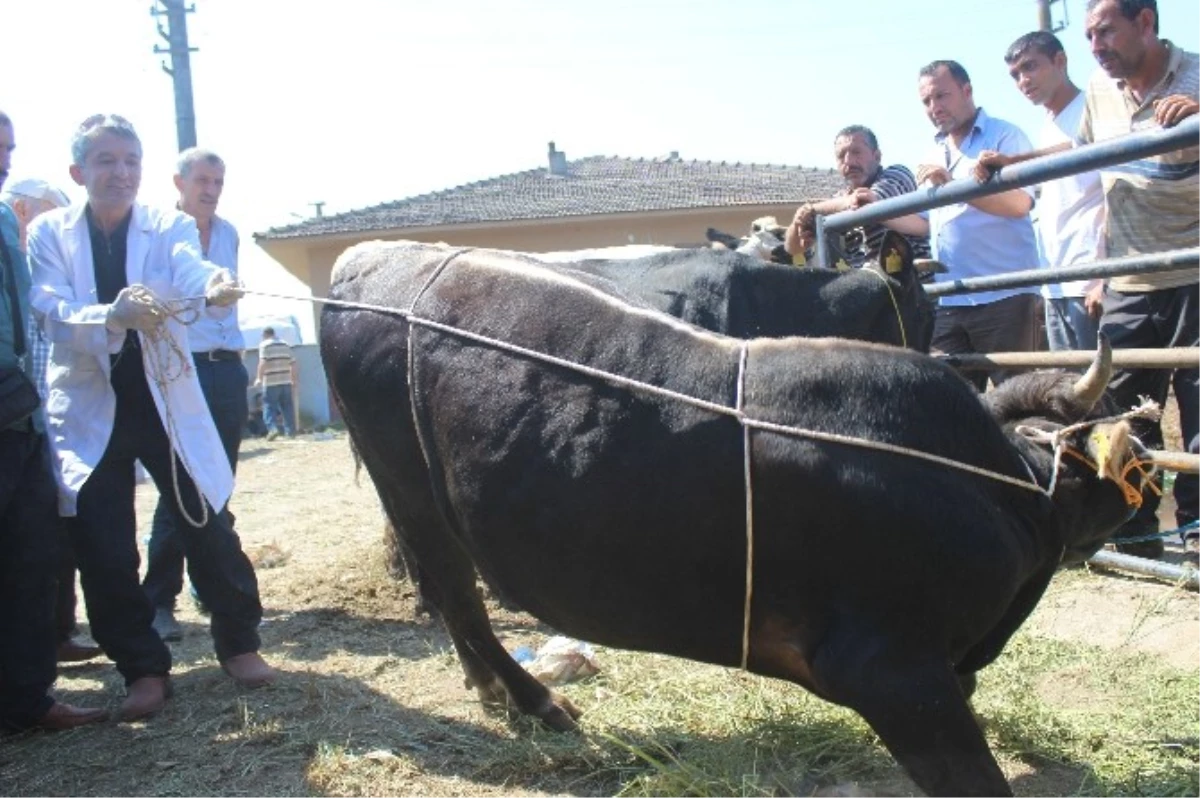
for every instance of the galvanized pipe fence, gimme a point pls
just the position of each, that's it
(1130, 147)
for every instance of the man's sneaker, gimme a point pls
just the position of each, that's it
(166, 626)
(272, 435)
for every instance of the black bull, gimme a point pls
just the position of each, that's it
(881, 582)
(739, 295)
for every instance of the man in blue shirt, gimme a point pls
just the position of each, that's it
(986, 236)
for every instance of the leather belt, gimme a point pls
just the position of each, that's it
(218, 354)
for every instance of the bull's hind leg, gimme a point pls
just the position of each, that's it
(448, 583)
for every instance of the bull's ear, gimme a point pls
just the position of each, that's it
(895, 253)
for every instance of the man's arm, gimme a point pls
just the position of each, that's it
(896, 181)
(990, 160)
(801, 233)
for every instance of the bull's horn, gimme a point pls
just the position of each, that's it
(1090, 387)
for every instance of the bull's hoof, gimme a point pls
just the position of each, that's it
(559, 714)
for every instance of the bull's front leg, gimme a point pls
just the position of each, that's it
(915, 703)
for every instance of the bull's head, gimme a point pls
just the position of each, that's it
(1102, 470)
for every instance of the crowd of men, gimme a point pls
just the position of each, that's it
(1137, 208)
(124, 315)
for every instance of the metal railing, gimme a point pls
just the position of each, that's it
(1140, 144)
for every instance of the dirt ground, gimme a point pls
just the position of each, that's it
(360, 670)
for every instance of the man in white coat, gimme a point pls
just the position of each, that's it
(115, 284)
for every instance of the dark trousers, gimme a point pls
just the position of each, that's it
(1012, 324)
(224, 383)
(65, 602)
(28, 571)
(1152, 320)
(104, 532)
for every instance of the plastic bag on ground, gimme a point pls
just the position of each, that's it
(562, 660)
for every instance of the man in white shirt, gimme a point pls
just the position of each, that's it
(1071, 209)
(216, 342)
(114, 283)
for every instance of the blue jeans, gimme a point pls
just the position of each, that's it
(277, 409)
(224, 383)
(1069, 325)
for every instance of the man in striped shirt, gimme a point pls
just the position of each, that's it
(860, 162)
(276, 375)
(1153, 206)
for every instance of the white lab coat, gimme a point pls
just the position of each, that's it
(162, 253)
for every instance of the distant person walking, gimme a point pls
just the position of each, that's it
(276, 375)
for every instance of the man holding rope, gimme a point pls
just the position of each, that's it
(116, 283)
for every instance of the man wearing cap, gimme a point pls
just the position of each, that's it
(216, 343)
(30, 198)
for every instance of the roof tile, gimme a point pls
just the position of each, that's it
(593, 185)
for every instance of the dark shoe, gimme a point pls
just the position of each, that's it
(62, 716)
(165, 624)
(145, 697)
(249, 670)
(72, 651)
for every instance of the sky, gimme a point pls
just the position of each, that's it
(357, 102)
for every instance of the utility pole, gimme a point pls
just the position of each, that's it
(1046, 19)
(1043, 7)
(181, 69)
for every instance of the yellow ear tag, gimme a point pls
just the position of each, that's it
(842, 266)
(1103, 451)
(799, 260)
(893, 262)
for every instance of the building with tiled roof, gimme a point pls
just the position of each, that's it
(587, 203)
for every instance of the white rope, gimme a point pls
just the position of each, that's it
(169, 363)
(656, 390)
(743, 354)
